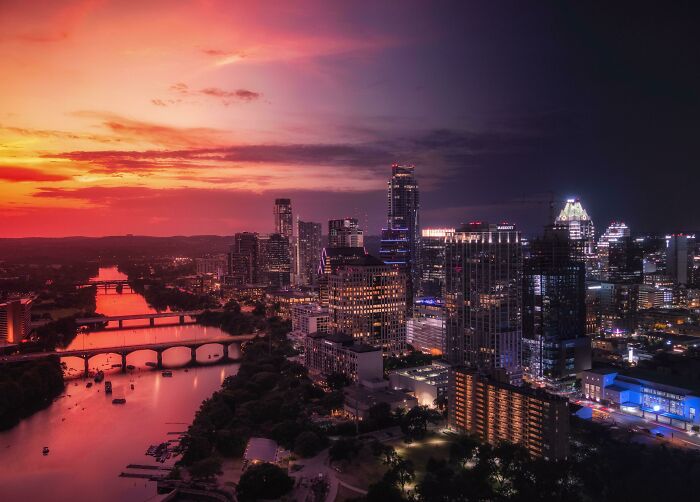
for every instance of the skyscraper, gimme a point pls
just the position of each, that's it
(400, 246)
(433, 261)
(555, 345)
(274, 259)
(367, 300)
(679, 257)
(308, 251)
(345, 233)
(579, 225)
(483, 297)
(243, 259)
(283, 218)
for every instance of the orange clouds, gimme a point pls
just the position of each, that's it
(22, 174)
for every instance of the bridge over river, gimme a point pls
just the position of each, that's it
(125, 350)
(151, 316)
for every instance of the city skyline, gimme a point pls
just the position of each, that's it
(152, 134)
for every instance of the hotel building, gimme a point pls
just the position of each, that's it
(339, 353)
(15, 320)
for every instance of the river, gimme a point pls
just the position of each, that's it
(91, 440)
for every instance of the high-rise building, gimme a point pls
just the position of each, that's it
(496, 411)
(425, 331)
(400, 246)
(283, 218)
(274, 259)
(331, 259)
(215, 265)
(679, 257)
(243, 259)
(579, 225)
(555, 345)
(483, 297)
(625, 262)
(432, 257)
(15, 320)
(367, 300)
(345, 233)
(308, 252)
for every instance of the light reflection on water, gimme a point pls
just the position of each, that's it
(91, 440)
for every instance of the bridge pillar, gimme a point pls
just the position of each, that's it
(182, 319)
(87, 366)
(193, 351)
(152, 321)
(224, 356)
(160, 359)
(121, 324)
(123, 362)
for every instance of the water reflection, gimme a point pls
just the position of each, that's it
(91, 440)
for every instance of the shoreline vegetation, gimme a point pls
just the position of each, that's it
(28, 387)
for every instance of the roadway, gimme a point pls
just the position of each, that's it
(638, 427)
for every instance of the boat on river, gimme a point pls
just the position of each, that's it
(167, 373)
(45, 451)
(99, 376)
(108, 387)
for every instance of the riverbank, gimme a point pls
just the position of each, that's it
(28, 387)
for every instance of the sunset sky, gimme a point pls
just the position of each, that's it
(172, 117)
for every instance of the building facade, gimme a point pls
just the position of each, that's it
(366, 299)
(679, 257)
(496, 411)
(211, 265)
(275, 267)
(345, 233)
(15, 320)
(309, 244)
(483, 297)
(243, 259)
(282, 213)
(309, 318)
(400, 244)
(339, 353)
(555, 345)
(433, 261)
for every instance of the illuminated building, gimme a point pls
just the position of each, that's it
(653, 400)
(339, 353)
(367, 300)
(496, 411)
(679, 257)
(243, 259)
(433, 260)
(612, 307)
(624, 262)
(425, 331)
(283, 218)
(287, 300)
(483, 297)
(555, 345)
(345, 233)
(15, 320)
(331, 259)
(425, 383)
(308, 252)
(274, 260)
(211, 265)
(400, 244)
(309, 318)
(576, 221)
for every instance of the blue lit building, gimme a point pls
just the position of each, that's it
(656, 401)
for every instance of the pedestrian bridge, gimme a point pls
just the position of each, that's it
(182, 316)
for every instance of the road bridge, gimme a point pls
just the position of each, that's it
(90, 321)
(125, 350)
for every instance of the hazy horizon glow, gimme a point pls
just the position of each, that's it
(165, 117)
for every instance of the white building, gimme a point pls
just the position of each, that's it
(309, 318)
(425, 383)
(339, 353)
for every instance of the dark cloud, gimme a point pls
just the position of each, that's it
(225, 96)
